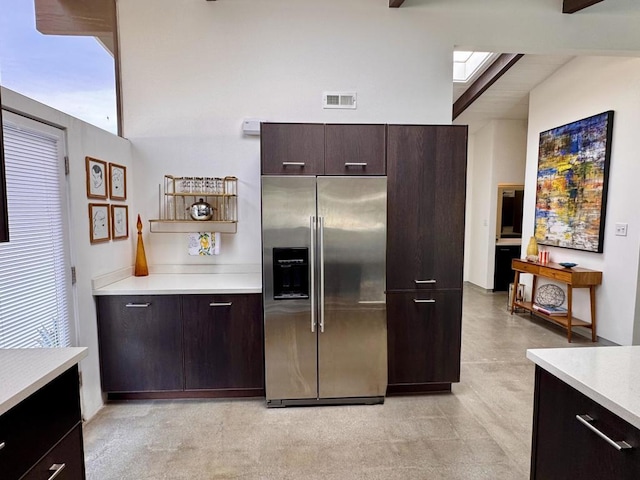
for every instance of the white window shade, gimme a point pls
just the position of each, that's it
(34, 266)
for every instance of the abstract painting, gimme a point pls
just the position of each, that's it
(571, 190)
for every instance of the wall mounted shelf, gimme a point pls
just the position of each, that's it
(188, 226)
(179, 193)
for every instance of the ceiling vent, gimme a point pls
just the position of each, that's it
(339, 100)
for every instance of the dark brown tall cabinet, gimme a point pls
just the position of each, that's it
(426, 170)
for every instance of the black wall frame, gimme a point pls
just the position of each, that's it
(4, 216)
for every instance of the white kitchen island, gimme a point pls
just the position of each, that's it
(586, 413)
(40, 421)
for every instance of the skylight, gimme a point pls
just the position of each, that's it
(467, 64)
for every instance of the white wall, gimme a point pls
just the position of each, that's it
(587, 86)
(498, 156)
(479, 188)
(192, 70)
(84, 140)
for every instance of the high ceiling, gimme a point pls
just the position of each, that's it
(508, 97)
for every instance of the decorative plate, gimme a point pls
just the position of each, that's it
(549, 295)
(568, 264)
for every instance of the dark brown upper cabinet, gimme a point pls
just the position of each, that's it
(318, 149)
(292, 148)
(352, 149)
(4, 215)
(426, 171)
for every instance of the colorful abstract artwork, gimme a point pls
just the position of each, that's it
(571, 191)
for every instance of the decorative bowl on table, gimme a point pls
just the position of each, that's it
(568, 264)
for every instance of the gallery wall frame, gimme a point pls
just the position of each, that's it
(572, 179)
(117, 182)
(99, 223)
(97, 179)
(119, 222)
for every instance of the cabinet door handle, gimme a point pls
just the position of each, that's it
(56, 468)
(312, 243)
(415, 300)
(372, 302)
(138, 305)
(321, 278)
(220, 304)
(420, 282)
(2, 445)
(355, 164)
(293, 164)
(586, 421)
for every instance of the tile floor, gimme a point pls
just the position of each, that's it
(480, 431)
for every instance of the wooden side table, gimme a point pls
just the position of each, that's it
(575, 277)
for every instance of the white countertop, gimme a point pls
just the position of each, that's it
(608, 375)
(187, 283)
(23, 371)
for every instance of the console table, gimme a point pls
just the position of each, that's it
(575, 277)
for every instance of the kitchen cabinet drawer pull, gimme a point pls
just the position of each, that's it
(138, 305)
(2, 445)
(420, 282)
(355, 164)
(372, 302)
(415, 300)
(220, 304)
(586, 421)
(293, 164)
(56, 468)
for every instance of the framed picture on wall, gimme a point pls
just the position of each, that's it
(117, 182)
(571, 190)
(96, 171)
(119, 222)
(99, 230)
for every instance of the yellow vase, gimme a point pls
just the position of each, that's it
(532, 250)
(140, 269)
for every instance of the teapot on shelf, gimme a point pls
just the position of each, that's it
(201, 210)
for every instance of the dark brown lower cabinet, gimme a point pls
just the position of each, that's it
(44, 431)
(423, 338)
(66, 457)
(173, 346)
(140, 338)
(223, 342)
(564, 448)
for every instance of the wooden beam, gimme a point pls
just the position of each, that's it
(395, 3)
(573, 6)
(490, 76)
(93, 18)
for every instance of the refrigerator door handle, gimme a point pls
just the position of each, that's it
(312, 262)
(321, 251)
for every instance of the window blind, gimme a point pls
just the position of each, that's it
(34, 270)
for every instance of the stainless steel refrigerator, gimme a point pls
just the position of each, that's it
(323, 244)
